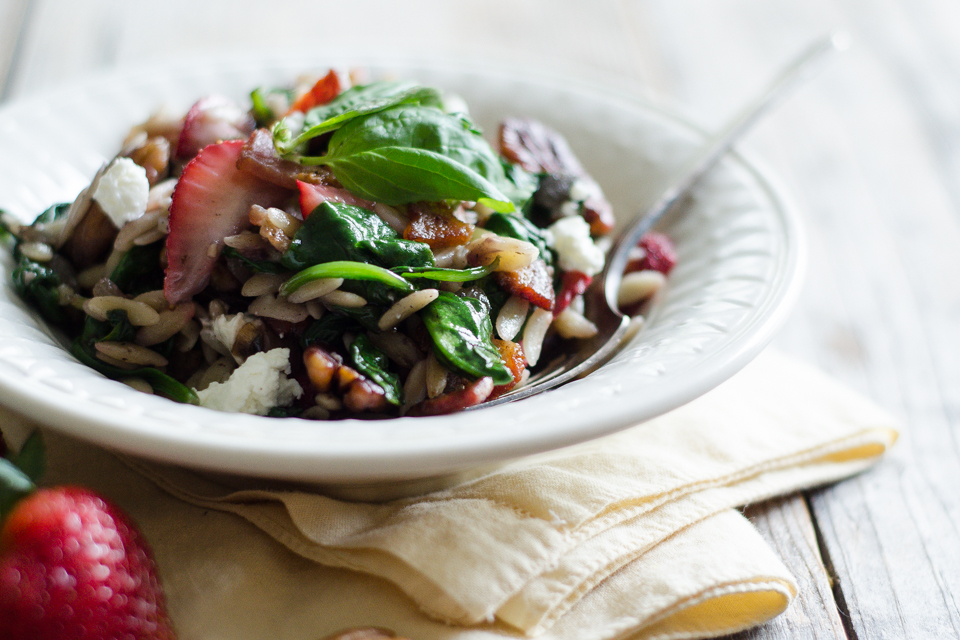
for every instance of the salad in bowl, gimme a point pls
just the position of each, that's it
(334, 249)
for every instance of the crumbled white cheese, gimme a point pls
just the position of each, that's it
(256, 386)
(575, 248)
(122, 191)
(580, 190)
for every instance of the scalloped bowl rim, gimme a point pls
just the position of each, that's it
(380, 450)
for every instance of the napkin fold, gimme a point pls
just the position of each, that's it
(631, 535)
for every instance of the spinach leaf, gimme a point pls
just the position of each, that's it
(329, 330)
(462, 334)
(37, 284)
(118, 328)
(348, 270)
(520, 185)
(371, 362)
(441, 274)
(353, 103)
(260, 266)
(334, 232)
(411, 153)
(139, 269)
(32, 457)
(513, 226)
(52, 213)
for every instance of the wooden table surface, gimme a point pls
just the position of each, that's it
(870, 150)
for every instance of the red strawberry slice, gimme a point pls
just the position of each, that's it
(313, 195)
(212, 200)
(72, 567)
(211, 120)
(659, 254)
(573, 284)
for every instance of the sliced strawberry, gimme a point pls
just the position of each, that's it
(573, 284)
(212, 200)
(326, 89)
(313, 195)
(659, 254)
(210, 120)
(532, 283)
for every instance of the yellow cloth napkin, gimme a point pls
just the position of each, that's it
(631, 535)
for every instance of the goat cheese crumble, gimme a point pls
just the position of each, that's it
(255, 387)
(575, 248)
(122, 191)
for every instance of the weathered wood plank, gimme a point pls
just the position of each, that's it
(787, 526)
(869, 151)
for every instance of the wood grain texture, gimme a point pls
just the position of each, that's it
(787, 526)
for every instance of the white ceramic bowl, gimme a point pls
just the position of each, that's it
(740, 247)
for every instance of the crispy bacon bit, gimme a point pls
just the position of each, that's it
(472, 394)
(532, 283)
(436, 224)
(537, 148)
(512, 355)
(573, 284)
(326, 89)
(260, 158)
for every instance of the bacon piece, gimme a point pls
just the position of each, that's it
(572, 284)
(211, 120)
(436, 225)
(326, 89)
(471, 395)
(260, 158)
(532, 283)
(537, 148)
(512, 355)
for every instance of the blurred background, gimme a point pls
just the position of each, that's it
(870, 151)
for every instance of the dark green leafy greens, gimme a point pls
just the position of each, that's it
(371, 362)
(411, 153)
(118, 328)
(462, 335)
(353, 103)
(139, 269)
(38, 285)
(343, 232)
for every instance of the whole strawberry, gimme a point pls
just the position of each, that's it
(72, 565)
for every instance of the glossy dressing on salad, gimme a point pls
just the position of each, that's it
(337, 249)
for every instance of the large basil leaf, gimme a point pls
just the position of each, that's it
(462, 333)
(372, 363)
(411, 153)
(335, 231)
(353, 103)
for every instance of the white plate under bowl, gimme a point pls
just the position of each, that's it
(740, 247)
